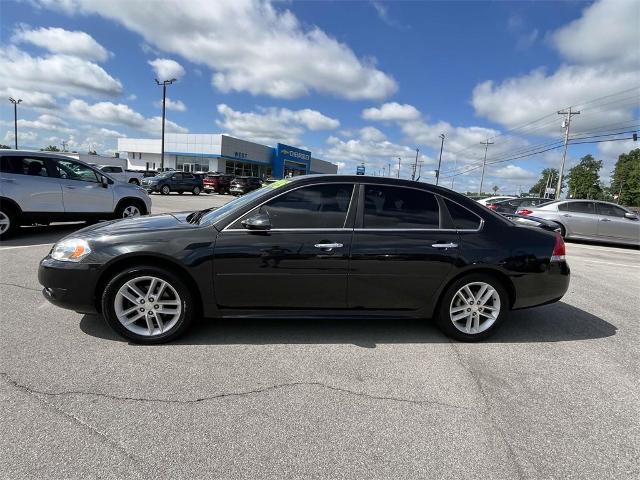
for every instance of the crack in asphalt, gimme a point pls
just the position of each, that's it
(487, 410)
(234, 394)
(75, 419)
(6, 284)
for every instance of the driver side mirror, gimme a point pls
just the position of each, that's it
(104, 181)
(631, 216)
(259, 221)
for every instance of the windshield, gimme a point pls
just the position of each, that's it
(239, 202)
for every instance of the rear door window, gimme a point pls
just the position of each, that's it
(582, 207)
(24, 166)
(399, 208)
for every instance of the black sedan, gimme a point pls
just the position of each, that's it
(325, 245)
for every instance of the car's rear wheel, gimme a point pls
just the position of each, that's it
(148, 305)
(8, 222)
(196, 190)
(165, 190)
(473, 307)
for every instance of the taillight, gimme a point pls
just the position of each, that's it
(524, 211)
(492, 206)
(559, 251)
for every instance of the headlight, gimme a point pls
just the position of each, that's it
(71, 250)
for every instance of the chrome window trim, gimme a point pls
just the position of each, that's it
(295, 229)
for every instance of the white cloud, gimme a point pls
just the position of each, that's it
(131, 97)
(383, 14)
(119, 114)
(272, 125)
(24, 137)
(607, 32)
(600, 49)
(167, 69)
(175, 105)
(64, 74)
(58, 40)
(391, 111)
(43, 122)
(514, 172)
(376, 152)
(105, 132)
(251, 46)
(31, 98)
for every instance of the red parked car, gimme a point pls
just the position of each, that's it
(217, 182)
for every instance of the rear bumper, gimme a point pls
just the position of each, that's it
(542, 289)
(69, 285)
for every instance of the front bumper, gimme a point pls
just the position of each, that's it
(69, 285)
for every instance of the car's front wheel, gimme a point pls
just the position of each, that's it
(147, 304)
(8, 222)
(165, 190)
(129, 209)
(196, 190)
(473, 307)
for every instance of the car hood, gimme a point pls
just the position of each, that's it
(151, 223)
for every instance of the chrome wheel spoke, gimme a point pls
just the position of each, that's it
(473, 313)
(144, 313)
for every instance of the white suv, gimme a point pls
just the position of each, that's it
(39, 187)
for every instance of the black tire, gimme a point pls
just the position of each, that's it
(443, 318)
(196, 190)
(126, 206)
(165, 190)
(186, 300)
(8, 214)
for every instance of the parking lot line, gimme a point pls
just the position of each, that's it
(26, 246)
(611, 263)
(602, 248)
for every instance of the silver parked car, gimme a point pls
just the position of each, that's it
(590, 220)
(40, 187)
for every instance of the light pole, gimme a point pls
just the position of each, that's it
(440, 159)
(399, 162)
(164, 100)
(15, 118)
(484, 163)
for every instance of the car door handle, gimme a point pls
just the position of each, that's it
(69, 188)
(445, 245)
(566, 215)
(328, 246)
(605, 220)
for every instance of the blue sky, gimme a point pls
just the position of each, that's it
(351, 81)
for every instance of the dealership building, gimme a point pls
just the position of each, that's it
(220, 153)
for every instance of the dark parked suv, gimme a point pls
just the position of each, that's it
(217, 182)
(168, 182)
(242, 185)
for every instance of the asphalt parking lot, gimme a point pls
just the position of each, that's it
(554, 394)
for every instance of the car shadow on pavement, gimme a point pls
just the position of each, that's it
(41, 234)
(559, 322)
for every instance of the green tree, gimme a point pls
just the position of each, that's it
(50, 148)
(538, 188)
(625, 180)
(584, 178)
(4, 147)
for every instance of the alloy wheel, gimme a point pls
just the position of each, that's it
(147, 306)
(131, 211)
(5, 222)
(474, 307)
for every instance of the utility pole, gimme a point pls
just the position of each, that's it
(399, 161)
(566, 125)
(15, 119)
(415, 165)
(486, 144)
(64, 145)
(419, 170)
(389, 170)
(440, 159)
(164, 84)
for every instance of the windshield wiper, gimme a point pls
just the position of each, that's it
(195, 217)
